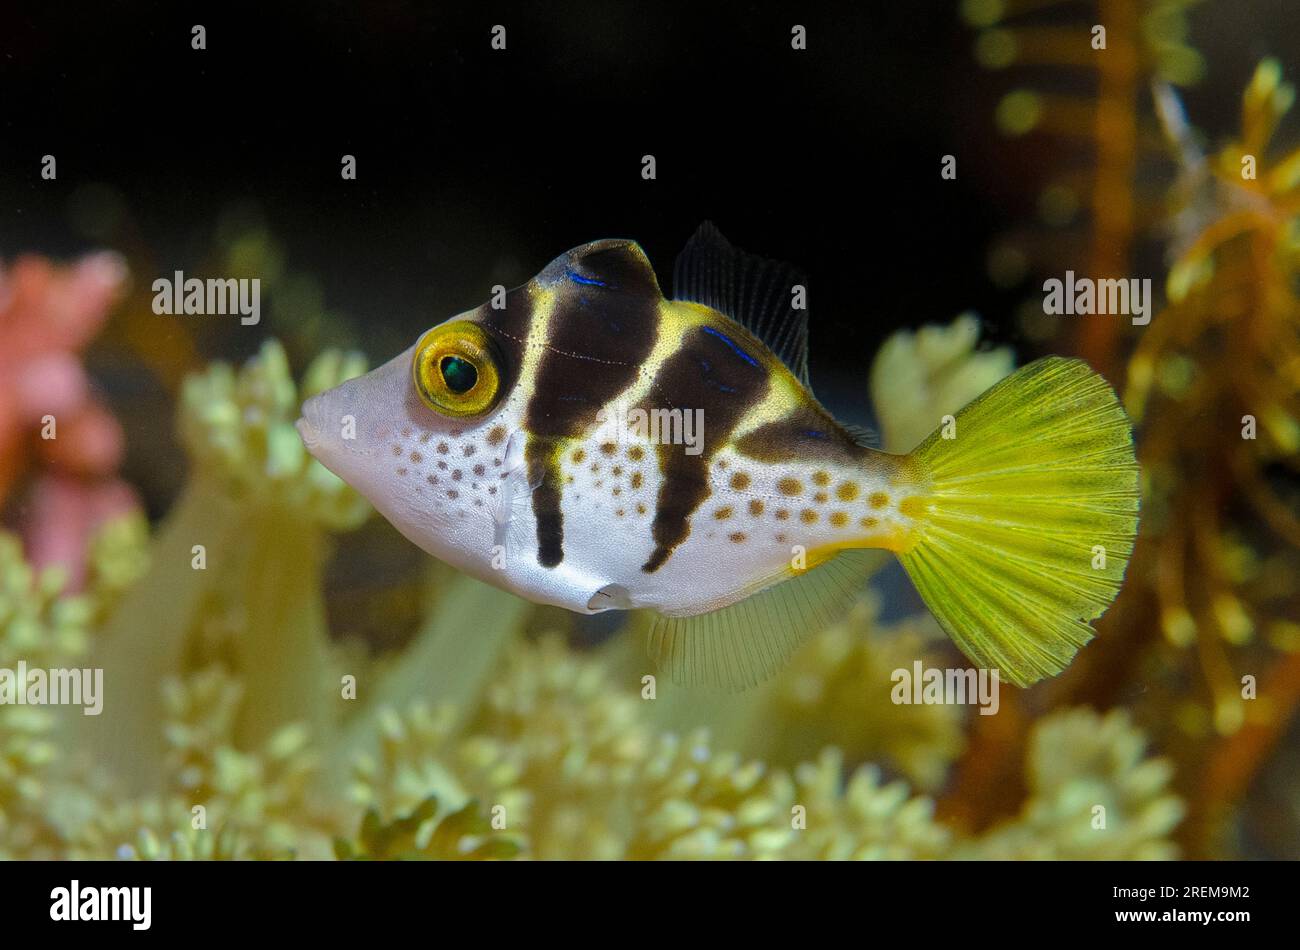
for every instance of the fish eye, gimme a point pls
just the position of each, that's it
(458, 373)
(456, 369)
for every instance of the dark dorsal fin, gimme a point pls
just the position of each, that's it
(615, 264)
(752, 290)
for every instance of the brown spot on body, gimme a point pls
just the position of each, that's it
(636, 480)
(636, 453)
(878, 499)
(417, 458)
(737, 537)
(739, 481)
(755, 507)
(808, 516)
(479, 470)
(869, 522)
(456, 476)
(847, 491)
(452, 493)
(821, 498)
(839, 519)
(821, 478)
(782, 514)
(722, 514)
(442, 448)
(608, 448)
(789, 486)
(470, 450)
(496, 435)
(578, 456)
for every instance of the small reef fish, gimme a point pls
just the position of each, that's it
(584, 442)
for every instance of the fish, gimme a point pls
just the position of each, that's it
(585, 442)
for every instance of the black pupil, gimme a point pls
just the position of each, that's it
(460, 375)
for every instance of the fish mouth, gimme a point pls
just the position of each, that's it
(307, 432)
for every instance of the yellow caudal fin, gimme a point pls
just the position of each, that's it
(1029, 518)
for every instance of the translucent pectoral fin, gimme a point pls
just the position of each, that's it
(743, 644)
(512, 502)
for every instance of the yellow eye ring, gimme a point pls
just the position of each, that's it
(456, 369)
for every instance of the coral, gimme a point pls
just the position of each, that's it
(862, 819)
(688, 801)
(918, 378)
(47, 316)
(239, 429)
(1213, 383)
(237, 567)
(462, 835)
(416, 758)
(231, 739)
(161, 829)
(838, 693)
(570, 761)
(45, 629)
(1092, 795)
(119, 556)
(1089, 198)
(556, 758)
(257, 804)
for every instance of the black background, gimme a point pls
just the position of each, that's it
(476, 165)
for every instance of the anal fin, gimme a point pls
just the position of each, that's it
(743, 644)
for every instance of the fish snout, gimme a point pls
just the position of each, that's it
(309, 425)
(327, 427)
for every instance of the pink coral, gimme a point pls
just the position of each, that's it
(48, 313)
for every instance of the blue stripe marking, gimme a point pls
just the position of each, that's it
(579, 279)
(735, 348)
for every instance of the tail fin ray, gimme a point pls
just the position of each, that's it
(1029, 518)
